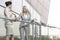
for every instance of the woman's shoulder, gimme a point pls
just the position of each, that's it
(6, 9)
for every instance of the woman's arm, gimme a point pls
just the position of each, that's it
(18, 18)
(9, 15)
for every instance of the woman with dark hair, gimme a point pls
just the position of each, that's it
(9, 23)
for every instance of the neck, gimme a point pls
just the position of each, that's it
(8, 7)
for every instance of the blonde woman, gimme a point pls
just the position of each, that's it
(24, 27)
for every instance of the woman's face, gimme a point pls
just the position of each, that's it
(10, 6)
(25, 10)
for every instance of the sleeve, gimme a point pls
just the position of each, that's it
(29, 15)
(7, 13)
(19, 17)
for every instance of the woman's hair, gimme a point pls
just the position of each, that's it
(8, 3)
(23, 9)
(27, 11)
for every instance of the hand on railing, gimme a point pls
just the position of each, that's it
(34, 19)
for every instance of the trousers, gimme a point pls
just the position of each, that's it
(24, 32)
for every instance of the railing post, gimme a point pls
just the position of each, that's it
(48, 33)
(33, 31)
(36, 30)
(40, 32)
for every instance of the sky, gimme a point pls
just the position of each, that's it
(53, 18)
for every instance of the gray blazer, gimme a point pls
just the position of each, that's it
(22, 18)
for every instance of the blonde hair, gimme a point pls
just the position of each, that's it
(23, 9)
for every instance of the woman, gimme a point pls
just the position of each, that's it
(9, 23)
(24, 27)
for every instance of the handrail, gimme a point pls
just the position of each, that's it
(49, 26)
(32, 23)
(11, 10)
(20, 21)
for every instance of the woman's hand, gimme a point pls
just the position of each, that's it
(34, 19)
(14, 15)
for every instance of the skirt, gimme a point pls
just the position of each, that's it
(9, 29)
